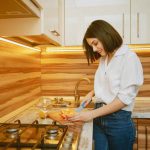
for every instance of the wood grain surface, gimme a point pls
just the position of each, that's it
(20, 76)
(62, 70)
(26, 75)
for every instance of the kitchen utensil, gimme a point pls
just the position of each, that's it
(83, 105)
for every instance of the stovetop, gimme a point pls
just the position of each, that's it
(35, 136)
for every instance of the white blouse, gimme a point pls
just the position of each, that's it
(121, 78)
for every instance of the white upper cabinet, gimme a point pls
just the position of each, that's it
(140, 21)
(65, 21)
(50, 19)
(80, 13)
(46, 24)
(129, 17)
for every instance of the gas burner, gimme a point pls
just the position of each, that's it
(52, 132)
(12, 132)
(36, 136)
(51, 136)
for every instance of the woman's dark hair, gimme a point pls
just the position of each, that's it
(106, 34)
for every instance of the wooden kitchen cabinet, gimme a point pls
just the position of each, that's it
(142, 134)
(129, 17)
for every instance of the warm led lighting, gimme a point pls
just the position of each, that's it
(139, 48)
(144, 48)
(65, 49)
(12, 42)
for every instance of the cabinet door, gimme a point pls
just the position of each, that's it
(80, 13)
(49, 18)
(140, 21)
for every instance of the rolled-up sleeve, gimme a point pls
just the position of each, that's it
(131, 79)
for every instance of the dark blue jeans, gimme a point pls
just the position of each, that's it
(114, 132)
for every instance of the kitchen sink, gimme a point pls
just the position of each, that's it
(69, 103)
(65, 102)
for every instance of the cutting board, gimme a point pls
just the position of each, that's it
(56, 115)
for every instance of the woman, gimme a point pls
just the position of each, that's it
(116, 83)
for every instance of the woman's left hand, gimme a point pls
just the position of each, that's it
(82, 116)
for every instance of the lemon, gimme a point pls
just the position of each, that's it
(42, 115)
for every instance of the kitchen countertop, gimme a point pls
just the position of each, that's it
(141, 110)
(85, 142)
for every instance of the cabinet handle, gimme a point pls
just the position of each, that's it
(123, 25)
(54, 32)
(138, 17)
(146, 140)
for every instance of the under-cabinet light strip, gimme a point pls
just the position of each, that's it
(12, 42)
(79, 49)
(140, 48)
(64, 50)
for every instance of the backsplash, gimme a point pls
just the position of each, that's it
(63, 67)
(20, 76)
(61, 71)
(25, 74)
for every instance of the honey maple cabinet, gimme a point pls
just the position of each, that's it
(129, 17)
(142, 134)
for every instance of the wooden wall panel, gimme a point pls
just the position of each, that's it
(20, 76)
(61, 71)
(145, 59)
(142, 141)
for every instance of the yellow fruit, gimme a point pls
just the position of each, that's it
(67, 112)
(42, 115)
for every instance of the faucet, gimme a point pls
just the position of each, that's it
(76, 92)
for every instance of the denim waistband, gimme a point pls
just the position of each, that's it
(119, 112)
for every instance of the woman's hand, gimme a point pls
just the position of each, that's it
(82, 116)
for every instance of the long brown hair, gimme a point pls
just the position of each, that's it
(106, 34)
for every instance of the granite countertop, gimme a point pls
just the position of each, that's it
(141, 110)
(32, 113)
